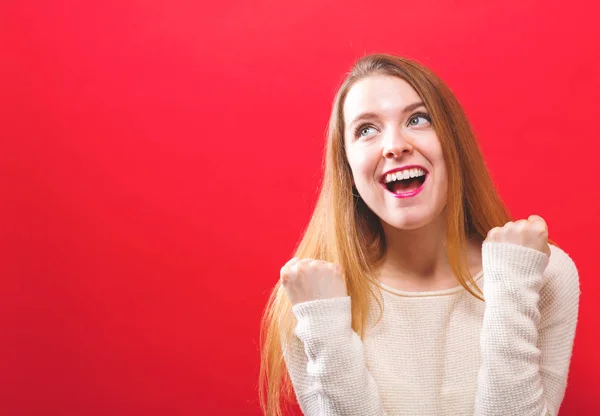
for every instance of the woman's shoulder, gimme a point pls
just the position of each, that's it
(561, 284)
(561, 265)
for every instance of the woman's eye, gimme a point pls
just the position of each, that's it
(419, 120)
(363, 131)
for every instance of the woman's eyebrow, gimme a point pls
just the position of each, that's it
(368, 115)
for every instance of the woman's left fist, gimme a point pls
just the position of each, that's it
(532, 233)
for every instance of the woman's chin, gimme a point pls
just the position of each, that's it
(407, 223)
(411, 218)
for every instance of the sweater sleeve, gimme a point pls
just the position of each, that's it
(528, 330)
(325, 360)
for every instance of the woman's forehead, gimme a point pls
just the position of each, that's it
(378, 94)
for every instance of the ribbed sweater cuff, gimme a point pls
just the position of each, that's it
(323, 321)
(504, 261)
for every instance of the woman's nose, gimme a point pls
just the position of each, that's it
(395, 144)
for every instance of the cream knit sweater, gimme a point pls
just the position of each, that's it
(445, 352)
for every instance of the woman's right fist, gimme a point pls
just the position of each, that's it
(309, 279)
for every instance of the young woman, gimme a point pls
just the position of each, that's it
(412, 292)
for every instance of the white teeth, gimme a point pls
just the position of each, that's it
(405, 174)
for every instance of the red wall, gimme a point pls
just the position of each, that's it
(159, 161)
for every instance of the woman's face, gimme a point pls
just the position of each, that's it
(394, 153)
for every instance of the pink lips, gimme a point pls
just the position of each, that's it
(408, 194)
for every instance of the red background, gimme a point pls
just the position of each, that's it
(159, 161)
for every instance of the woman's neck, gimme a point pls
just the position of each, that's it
(416, 260)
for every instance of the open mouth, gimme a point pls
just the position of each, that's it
(406, 182)
(405, 185)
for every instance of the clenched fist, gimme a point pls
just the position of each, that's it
(309, 279)
(532, 233)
